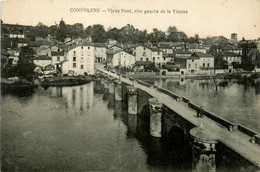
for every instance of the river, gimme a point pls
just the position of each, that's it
(79, 129)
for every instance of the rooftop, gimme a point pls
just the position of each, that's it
(231, 54)
(201, 55)
(43, 57)
(57, 53)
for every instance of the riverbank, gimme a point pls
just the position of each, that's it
(51, 81)
(64, 81)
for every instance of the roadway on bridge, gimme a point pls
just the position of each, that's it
(235, 140)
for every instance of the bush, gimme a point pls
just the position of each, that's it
(29, 77)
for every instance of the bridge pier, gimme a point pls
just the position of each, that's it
(118, 90)
(111, 86)
(155, 117)
(132, 100)
(203, 150)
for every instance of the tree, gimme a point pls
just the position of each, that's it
(25, 64)
(41, 30)
(97, 32)
(53, 30)
(113, 33)
(157, 36)
(171, 29)
(219, 62)
(216, 40)
(62, 31)
(76, 30)
(128, 34)
(249, 52)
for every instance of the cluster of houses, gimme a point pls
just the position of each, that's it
(80, 58)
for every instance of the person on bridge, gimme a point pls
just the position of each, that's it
(198, 112)
(201, 112)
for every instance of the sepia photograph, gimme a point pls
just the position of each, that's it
(130, 86)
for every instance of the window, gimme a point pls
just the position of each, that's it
(81, 47)
(81, 66)
(74, 59)
(58, 59)
(147, 59)
(74, 52)
(158, 52)
(189, 65)
(192, 60)
(141, 59)
(158, 58)
(134, 53)
(208, 64)
(144, 48)
(144, 53)
(88, 47)
(74, 65)
(203, 64)
(58, 50)
(153, 58)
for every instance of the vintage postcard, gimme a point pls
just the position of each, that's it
(129, 85)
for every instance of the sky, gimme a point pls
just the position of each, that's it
(202, 17)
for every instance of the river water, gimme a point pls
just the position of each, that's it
(79, 129)
(231, 100)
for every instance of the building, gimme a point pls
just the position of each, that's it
(100, 52)
(16, 35)
(44, 51)
(42, 61)
(142, 53)
(196, 48)
(182, 52)
(168, 58)
(232, 57)
(57, 57)
(80, 60)
(233, 49)
(190, 64)
(234, 37)
(115, 47)
(206, 62)
(178, 45)
(120, 58)
(166, 47)
(157, 56)
(111, 42)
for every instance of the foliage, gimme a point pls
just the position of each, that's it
(97, 33)
(249, 52)
(151, 67)
(62, 31)
(25, 67)
(219, 62)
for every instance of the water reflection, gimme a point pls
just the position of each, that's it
(80, 97)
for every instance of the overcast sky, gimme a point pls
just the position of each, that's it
(206, 18)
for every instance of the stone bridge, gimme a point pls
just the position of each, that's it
(174, 112)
